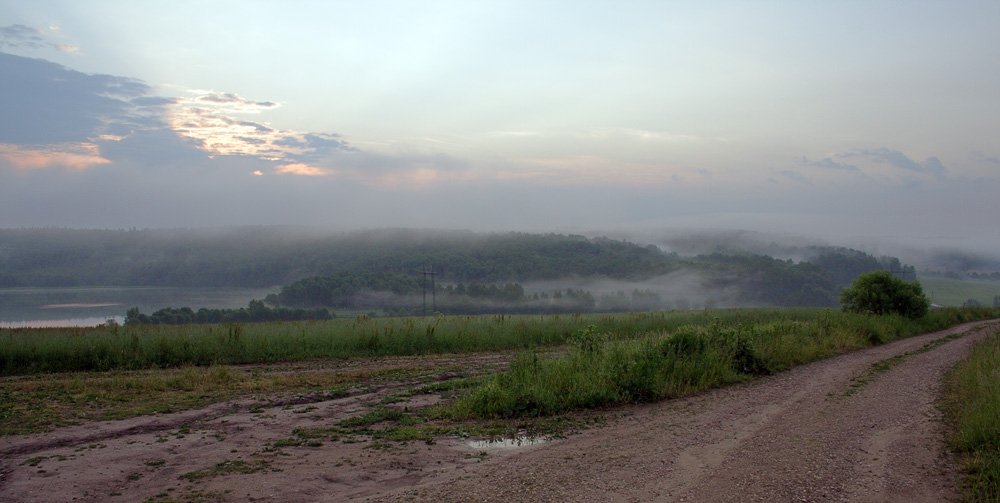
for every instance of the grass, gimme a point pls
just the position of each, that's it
(425, 425)
(603, 370)
(28, 351)
(954, 292)
(614, 359)
(226, 467)
(973, 405)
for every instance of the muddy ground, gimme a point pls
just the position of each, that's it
(833, 430)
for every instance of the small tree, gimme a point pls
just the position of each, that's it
(879, 292)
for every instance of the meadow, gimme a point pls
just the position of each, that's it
(954, 292)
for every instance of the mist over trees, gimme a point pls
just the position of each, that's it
(271, 256)
(473, 273)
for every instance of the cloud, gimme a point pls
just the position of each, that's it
(52, 105)
(897, 159)
(505, 133)
(323, 143)
(150, 149)
(933, 166)
(981, 157)
(259, 127)
(827, 163)
(794, 176)
(235, 104)
(74, 157)
(19, 35)
(252, 141)
(52, 117)
(405, 170)
(210, 118)
(302, 169)
(641, 135)
(153, 101)
(44, 103)
(290, 141)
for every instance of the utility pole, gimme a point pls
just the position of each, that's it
(430, 273)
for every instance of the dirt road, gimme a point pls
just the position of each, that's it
(844, 429)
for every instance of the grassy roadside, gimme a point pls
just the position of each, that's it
(973, 405)
(603, 371)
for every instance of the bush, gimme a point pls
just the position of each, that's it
(879, 293)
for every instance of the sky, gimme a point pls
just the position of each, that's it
(846, 121)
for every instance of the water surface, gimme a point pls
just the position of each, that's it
(81, 307)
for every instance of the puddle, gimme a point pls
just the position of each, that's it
(507, 443)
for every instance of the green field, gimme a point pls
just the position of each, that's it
(135, 347)
(954, 292)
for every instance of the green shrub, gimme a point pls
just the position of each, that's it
(880, 293)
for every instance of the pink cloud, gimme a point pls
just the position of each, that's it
(73, 157)
(301, 169)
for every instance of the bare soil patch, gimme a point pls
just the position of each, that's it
(835, 430)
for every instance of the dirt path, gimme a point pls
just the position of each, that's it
(829, 431)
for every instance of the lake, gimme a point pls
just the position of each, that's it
(89, 306)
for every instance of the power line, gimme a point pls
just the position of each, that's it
(423, 283)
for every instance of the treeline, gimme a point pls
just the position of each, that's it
(255, 312)
(991, 276)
